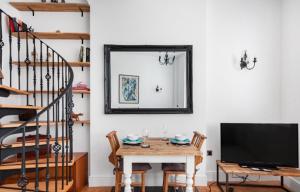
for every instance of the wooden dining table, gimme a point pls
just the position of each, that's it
(160, 151)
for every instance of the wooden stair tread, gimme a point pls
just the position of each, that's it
(10, 106)
(31, 143)
(14, 90)
(51, 7)
(42, 186)
(30, 164)
(55, 35)
(44, 64)
(13, 163)
(15, 124)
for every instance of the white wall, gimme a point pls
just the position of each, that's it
(290, 65)
(234, 95)
(143, 22)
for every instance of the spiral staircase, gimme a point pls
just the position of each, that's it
(36, 154)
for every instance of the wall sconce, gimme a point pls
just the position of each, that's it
(245, 62)
(166, 60)
(158, 89)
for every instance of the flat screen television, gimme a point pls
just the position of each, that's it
(260, 145)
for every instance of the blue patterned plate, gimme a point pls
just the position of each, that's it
(179, 142)
(131, 142)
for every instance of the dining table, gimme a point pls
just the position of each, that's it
(159, 151)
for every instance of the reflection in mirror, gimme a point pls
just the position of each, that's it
(151, 79)
(139, 80)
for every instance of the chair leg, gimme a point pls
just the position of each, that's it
(118, 182)
(194, 186)
(143, 182)
(166, 182)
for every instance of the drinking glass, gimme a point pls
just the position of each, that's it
(164, 133)
(145, 134)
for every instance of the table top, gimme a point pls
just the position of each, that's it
(158, 147)
(233, 168)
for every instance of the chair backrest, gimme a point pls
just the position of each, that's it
(115, 145)
(197, 141)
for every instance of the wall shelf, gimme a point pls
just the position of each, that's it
(55, 35)
(51, 7)
(44, 64)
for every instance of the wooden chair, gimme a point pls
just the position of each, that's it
(137, 168)
(176, 169)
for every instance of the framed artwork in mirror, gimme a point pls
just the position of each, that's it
(128, 89)
(148, 79)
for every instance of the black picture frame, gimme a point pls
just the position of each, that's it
(108, 48)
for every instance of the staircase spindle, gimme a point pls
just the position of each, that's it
(56, 146)
(10, 55)
(41, 72)
(66, 128)
(53, 82)
(48, 77)
(71, 123)
(27, 61)
(34, 70)
(37, 155)
(19, 59)
(63, 126)
(1, 44)
(23, 180)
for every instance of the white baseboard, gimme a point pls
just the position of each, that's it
(152, 180)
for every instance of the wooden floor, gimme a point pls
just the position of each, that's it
(202, 189)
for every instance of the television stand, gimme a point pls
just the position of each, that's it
(233, 168)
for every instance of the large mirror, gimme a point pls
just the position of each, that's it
(148, 79)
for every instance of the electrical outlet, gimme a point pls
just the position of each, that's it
(209, 152)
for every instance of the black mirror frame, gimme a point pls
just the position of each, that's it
(148, 48)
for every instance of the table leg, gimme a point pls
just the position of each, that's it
(190, 169)
(227, 184)
(127, 173)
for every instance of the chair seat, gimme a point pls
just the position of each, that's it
(138, 166)
(178, 167)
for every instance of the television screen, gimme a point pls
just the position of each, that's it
(260, 145)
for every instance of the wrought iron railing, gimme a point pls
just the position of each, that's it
(49, 79)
